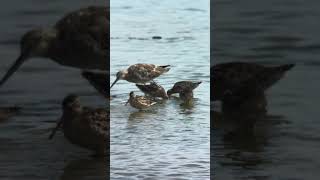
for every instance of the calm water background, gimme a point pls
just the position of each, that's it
(168, 142)
(39, 87)
(273, 32)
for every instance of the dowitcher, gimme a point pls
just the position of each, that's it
(7, 112)
(154, 90)
(80, 40)
(98, 80)
(237, 81)
(141, 73)
(140, 102)
(84, 126)
(184, 86)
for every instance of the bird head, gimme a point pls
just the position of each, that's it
(170, 92)
(71, 102)
(34, 43)
(120, 75)
(131, 94)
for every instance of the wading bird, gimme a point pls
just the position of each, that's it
(141, 73)
(84, 126)
(235, 82)
(140, 102)
(80, 40)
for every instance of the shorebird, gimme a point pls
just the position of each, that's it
(236, 81)
(7, 112)
(84, 126)
(184, 86)
(98, 80)
(185, 90)
(140, 102)
(80, 40)
(141, 73)
(154, 90)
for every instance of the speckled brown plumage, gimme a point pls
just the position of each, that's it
(84, 126)
(140, 102)
(236, 81)
(83, 39)
(185, 90)
(183, 86)
(80, 39)
(141, 73)
(154, 90)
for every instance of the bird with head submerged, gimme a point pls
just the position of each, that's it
(80, 40)
(184, 86)
(238, 81)
(84, 126)
(140, 73)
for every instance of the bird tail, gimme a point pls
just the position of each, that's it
(86, 74)
(275, 75)
(286, 67)
(165, 66)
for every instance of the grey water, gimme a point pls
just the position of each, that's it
(272, 32)
(38, 88)
(167, 141)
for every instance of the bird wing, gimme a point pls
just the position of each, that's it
(148, 88)
(236, 73)
(86, 30)
(145, 101)
(237, 81)
(145, 72)
(182, 86)
(99, 120)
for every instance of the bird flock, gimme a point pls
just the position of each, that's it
(80, 40)
(142, 74)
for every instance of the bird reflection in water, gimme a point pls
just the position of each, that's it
(246, 129)
(139, 115)
(85, 169)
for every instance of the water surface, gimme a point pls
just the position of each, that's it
(168, 141)
(38, 88)
(272, 32)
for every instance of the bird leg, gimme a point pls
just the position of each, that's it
(53, 132)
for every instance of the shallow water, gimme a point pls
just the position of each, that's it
(168, 141)
(38, 88)
(272, 32)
